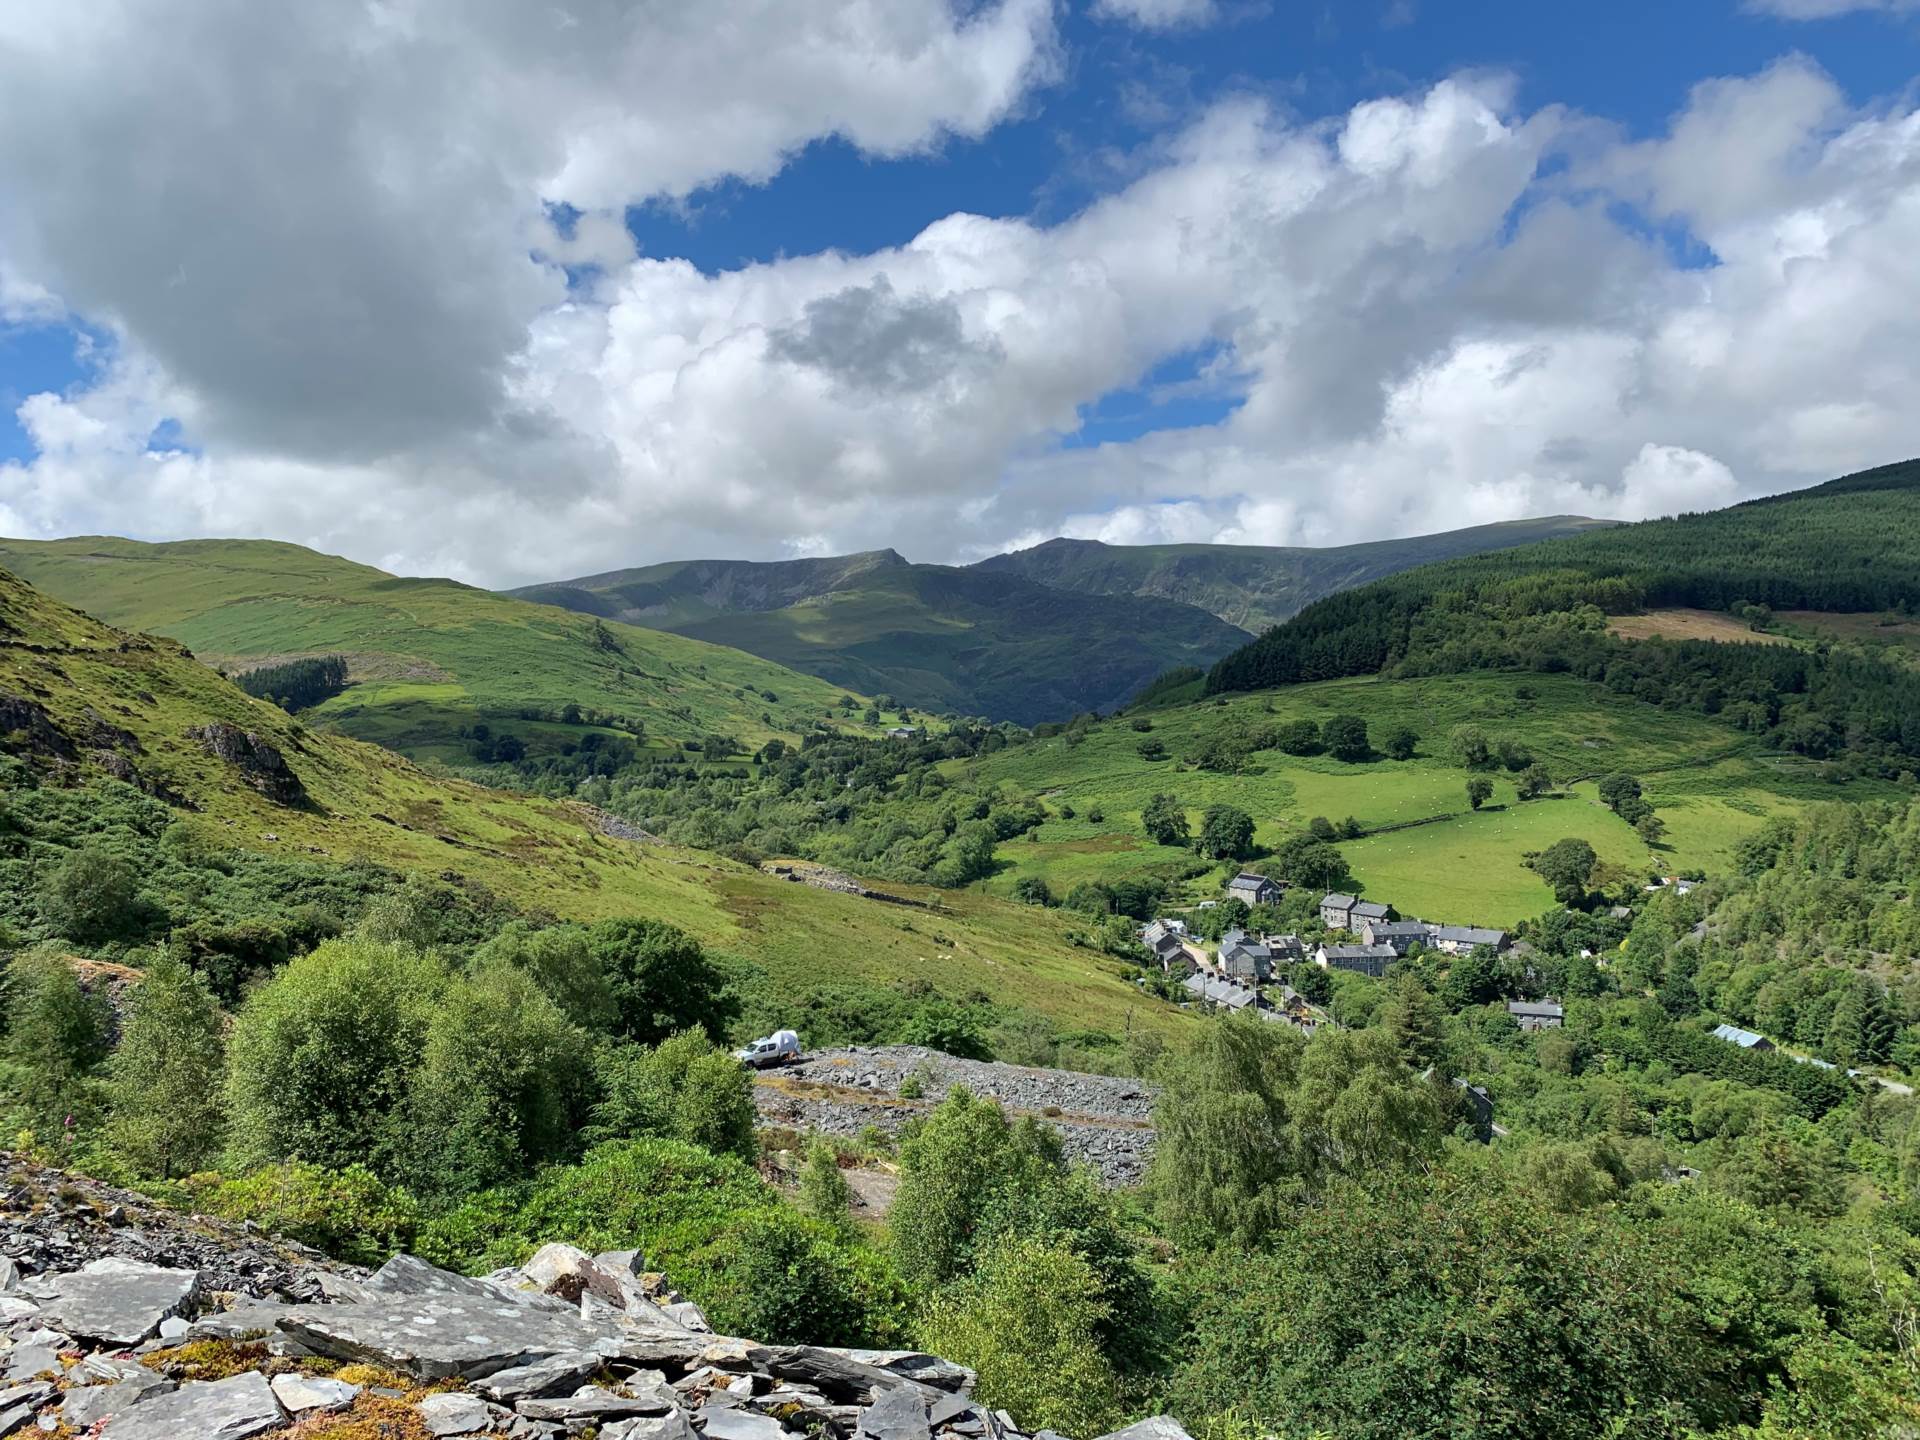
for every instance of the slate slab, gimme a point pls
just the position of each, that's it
(118, 1302)
(727, 1424)
(87, 1405)
(665, 1427)
(833, 1373)
(1154, 1427)
(439, 1336)
(591, 1402)
(213, 1410)
(897, 1415)
(302, 1393)
(456, 1415)
(547, 1375)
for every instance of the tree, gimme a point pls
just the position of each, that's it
(661, 979)
(1534, 782)
(1620, 793)
(56, 1033)
(500, 1085)
(1468, 746)
(1027, 1322)
(1226, 833)
(1165, 821)
(321, 1059)
(1345, 737)
(1862, 1029)
(89, 896)
(1308, 862)
(165, 1078)
(1032, 890)
(684, 1088)
(561, 961)
(944, 1026)
(824, 1192)
(1650, 828)
(1413, 1021)
(1297, 737)
(1566, 865)
(1479, 791)
(1321, 828)
(1401, 743)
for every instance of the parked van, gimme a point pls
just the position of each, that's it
(780, 1048)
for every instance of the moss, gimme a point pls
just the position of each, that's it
(216, 1360)
(371, 1417)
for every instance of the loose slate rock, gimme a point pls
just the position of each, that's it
(118, 1302)
(214, 1410)
(301, 1393)
(591, 1402)
(440, 1337)
(665, 1427)
(457, 1415)
(729, 1424)
(30, 1362)
(87, 1405)
(832, 1372)
(897, 1415)
(548, 1375)
(1154, 1427)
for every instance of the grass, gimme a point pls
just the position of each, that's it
(1712, 784)
(545, 856)
(1684, 624)
(426, 657)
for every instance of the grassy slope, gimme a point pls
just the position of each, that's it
(1712, 785)
(934, 636)
(427, 656)
(1256, 586)
(369, 803)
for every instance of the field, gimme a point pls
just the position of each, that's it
(367, 803)
(427, 657)
(1712, 785)
(1889, 634)
(1684, 624)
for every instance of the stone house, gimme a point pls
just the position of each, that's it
(1254, 889)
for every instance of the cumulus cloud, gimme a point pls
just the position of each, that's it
(1158, 14)
(1828, 9)
(1434, 310)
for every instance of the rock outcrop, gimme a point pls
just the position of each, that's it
(260, 765)
(267, 1340)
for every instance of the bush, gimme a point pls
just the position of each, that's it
(661, 980)
(685, 1088)
(90, 896)
(1032, 890)
(347, 1213)
(166, 1076)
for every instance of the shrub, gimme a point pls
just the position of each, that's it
(661, 979)
(89, 896)
(166, 1075)
(347, 1213)
(685, 1088)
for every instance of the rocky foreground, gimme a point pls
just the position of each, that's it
(123, 1322)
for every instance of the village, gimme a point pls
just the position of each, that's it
(1247, 972)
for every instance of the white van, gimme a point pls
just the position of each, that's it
(780, 1048)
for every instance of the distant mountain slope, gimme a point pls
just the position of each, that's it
(933, 636)
(429, 658)
(1258, 586)
(1850, 546)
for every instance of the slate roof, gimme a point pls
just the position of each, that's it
(1466, 935)
(1734, 1035)
(1368, 910)
(1219, 992)
(1337, 901)
(1537, 1009)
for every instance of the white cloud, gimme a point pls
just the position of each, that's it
(1828, 9)
(1423, 328)
(1158, 14)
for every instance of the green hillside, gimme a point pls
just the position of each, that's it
(1426, 851)
(1847, 548)
(1257, 586)
(966, 641)
(84, 705)
(428, 659)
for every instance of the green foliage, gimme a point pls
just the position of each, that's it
(1401, 743)
(1226, 833)
(1027, 1321)
(499, 1087)
(944, 1026)
(824, 1192)
(660, 978)
(1165, 821)
(321, 1059)
(296, 684)
(1032, 890)
(1345, 737)
(347, 1213)
(561, 961)
(90, 895)
(684, 1088)
(1566, 865)
(1309, 862)
(56, 1033)
(1479, 791)
(167, 1074)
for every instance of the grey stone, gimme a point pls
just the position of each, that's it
(457, 1414)
(954, 1407)
(916, 1365)
(301, 1393)
(570, 1273)
(87, 1405)
(621, 1262)
(1154, 1427)
(591, 1402)
(119, 1302)
(15, 1308)
(545, 1376)
(833, 1373)
(664, 1427)
(15, 1417)
(38, 1392)
(723, 1424)
(102, 1369)
(246, 1321)
(215, 1410)
(897, 1415)
(174, 1327)
(10, 1273)
(440, 1336)
(30, 1362)
(688, 1314)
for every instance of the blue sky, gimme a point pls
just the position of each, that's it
(947, 275)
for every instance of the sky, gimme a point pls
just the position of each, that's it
(517, 291)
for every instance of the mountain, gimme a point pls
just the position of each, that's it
(427, 659)
(1257, 586)
(1845, 548)
(935, 637)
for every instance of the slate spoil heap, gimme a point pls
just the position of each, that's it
(124, 1323)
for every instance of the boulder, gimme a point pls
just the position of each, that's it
(14, 1308)
(916, 1365)
(571, 1274)
(87, 1405)
(686, 1313)
(897, 1415)
(119, 1302)
(440, 1337)
(260, 765)
(833, 1373)
(1154, 1427)
(213, 1410)
(303, 1393)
